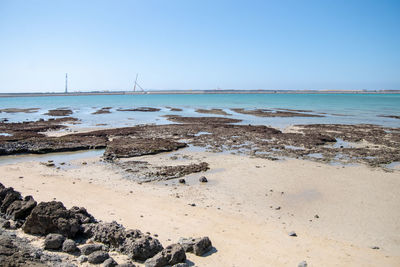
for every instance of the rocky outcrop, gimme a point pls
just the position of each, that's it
(141, 109)
(171, 255)
(20, 209)
(126, 147)
(7, 197)
(52, 217)
(61, 226)
(59, 112)
(201, 120)
(198, 246)
(130, 242)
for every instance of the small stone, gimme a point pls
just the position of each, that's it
(203, 179)
(53, 241)
(90, 248)
(69, 246)
(302, 264)
(375, 247)
(316, 216)
(82, 259)
(192, 204)
(182, 181)
(98, 257)
(84, 163)
(110, 262)
(292, 233)
(277, 208)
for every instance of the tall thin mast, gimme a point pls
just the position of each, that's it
(134, 88)
(66, 83)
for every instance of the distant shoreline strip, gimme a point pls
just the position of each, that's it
(193, 92)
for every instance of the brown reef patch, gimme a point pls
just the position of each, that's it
(59, 112)
(216, 111)
(269, 113)
(202, 120)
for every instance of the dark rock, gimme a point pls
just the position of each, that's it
(142, 248)
(98, 257)
(292, 233)
(302, 264)
(198, 246)
(82, 259)
(8, 196)
(182, 181)
(203, 179)
(201, 120)
(316, 216)
(111, 234)
(82, 215)
(169, 256)
(375, 247)
(53, 241)
(69, 246)
(142, 109)
(126, 147)
(90, 248)
(51, 217)
(59, 112)
(20, 209)
(181, 265)
(110, 262)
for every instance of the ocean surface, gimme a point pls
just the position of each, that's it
(337, 108)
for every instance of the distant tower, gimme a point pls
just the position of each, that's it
(66, 83)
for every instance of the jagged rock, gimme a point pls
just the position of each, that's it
(181, 265)
(82, 259)
(126, 147)
(8, 196)
(112, 234)
(169, 256)
(90, 248)
(98, 257)
(198, 246)
(20, 209)
(142, 248)
(82, 215)
(69, 246)
(110, 262)
(51, 217)
(203, 179)
(53, 241)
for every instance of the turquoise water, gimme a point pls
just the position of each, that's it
(340, 108)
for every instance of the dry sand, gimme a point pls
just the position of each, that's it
(358, 207)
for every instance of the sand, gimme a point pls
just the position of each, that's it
(358, 207)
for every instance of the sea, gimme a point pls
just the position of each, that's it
(336, 108)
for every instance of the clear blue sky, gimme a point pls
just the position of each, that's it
(204, 44)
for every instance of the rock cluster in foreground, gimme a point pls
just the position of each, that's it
(79, 237)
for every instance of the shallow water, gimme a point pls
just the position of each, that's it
(58, 157)
(357, 108)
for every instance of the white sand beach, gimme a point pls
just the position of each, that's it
(247, 208)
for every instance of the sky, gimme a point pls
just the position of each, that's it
(204, 44)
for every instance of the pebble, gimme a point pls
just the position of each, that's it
(292, 233)
(302, 264)
(182, 181)
(203, 179)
